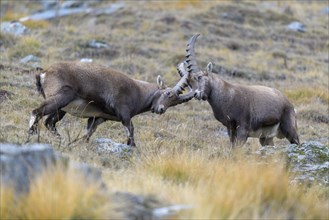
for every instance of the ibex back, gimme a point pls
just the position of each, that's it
(97, 93)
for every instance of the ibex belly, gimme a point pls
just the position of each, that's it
(266, 132)
(85, 109)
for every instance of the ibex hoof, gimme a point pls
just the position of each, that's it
(33, 131)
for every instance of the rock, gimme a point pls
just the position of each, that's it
(15, 28)
(309, 163)
(325, 10)
(106, 145)
(297, 26)
(86, 60)
(55, 13)
(19, 165)
(73, 4)
(109, 10)
(30, 58)
(168, 211)
(235, 16)
(135, 206)
(97, 44)
(144, 207)
(48, 4)
(90, 174)
(70, 8)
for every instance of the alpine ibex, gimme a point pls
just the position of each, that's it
(99, 94)
(246, 111)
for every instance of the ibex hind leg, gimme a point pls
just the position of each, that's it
(266, 141)
(130, 132)
(50, 106)
(52, 119)
(238, 134)
(288, 127)
(92, 126)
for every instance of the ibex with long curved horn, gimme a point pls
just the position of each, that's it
(246, 111)
(99, 94)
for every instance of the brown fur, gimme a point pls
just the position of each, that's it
(94, 92)
(246, 111)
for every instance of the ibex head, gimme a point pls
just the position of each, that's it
(198, 79)
(171, 96)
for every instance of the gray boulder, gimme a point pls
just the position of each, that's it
(19, 165)
(296, 26)
(106, 145)
(30, 58)
(15, 28)
(97, 44)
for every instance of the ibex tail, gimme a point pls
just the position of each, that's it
(39, 85)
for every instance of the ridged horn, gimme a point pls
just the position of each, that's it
(182, 84)
(192, 66)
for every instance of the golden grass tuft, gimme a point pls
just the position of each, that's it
(27, 45)
(57, 194)
(307, 94)
(41, 24)
(178, 4)
(235, 186)
(11, 16)
(177, 167)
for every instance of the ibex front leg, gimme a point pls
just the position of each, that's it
(130, 132)
(238, 134)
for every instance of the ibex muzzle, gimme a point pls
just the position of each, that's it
(246, 111)
(97, 93)
(172, 96)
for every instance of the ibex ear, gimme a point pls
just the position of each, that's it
(209, 68)
(160, 82)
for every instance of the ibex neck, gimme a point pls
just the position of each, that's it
(148, 91)
(215, 88)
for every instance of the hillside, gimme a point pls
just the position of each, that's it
(249, 42)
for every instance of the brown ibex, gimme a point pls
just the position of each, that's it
(99, 94)
(246, 111)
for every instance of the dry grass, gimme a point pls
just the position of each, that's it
(183, 154)
(234, 187)
(57, 194)
(11, 16)
(41, 24)
(307, 95)
(25, 46)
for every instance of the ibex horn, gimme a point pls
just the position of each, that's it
(192, 66)
(182, 84)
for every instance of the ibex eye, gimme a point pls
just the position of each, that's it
(199, 78)
(167, 93)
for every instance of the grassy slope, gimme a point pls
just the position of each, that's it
(149, 39)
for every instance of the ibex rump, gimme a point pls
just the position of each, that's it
(99, 94)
